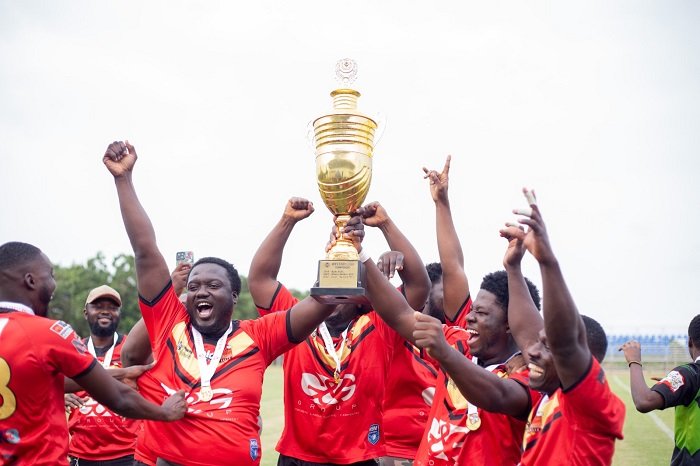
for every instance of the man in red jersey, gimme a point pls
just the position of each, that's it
(334, 382)
(467, 424)
(456, 299)
(35, 355)
(99, 436)
(410, 388)
(578, 418)
(198, 348)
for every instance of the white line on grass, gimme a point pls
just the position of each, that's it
(657, 420)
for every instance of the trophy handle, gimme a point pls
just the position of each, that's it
(310, 138)
(381, 120)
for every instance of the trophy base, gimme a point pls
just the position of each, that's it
(339, 282)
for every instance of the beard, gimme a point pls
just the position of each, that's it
(101, 331)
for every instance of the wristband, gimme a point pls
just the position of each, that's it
(629, 364)
(364, 256)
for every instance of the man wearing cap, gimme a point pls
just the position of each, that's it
(99, 436)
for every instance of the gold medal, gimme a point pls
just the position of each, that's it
(336, 376)
(205, 393)
(473, 421)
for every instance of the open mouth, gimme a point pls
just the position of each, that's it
(536, 371)
(473, 335)
(204, 310)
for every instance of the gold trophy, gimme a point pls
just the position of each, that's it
(343, 141)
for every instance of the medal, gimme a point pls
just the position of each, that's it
(206, 370)
(473, 421)
(205, 393)
(330, 348)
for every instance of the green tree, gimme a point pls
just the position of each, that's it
(75, 282)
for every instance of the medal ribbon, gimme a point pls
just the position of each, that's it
(108, 356)
(471, 408)
(206, 370)
(16, 307)
(330, 348)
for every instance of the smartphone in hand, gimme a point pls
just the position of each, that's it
(186, 257)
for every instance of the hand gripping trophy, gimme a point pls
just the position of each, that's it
(344, 141)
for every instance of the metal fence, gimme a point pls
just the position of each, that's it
(659, 352)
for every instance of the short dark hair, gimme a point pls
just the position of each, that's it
(434, 272)
(597, 340)
(231, 271)
(15, 253)
(694, 331)
(497, 283)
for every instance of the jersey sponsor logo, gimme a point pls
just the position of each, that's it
(373, 434)
(62, 329)
(444, 436)
(254, 449)
(324, 391)
(674, 380)
(221, 399)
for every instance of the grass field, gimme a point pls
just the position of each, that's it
(648, 437)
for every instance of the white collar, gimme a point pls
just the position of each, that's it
(16, 307)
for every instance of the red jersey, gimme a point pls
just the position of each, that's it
(35, 355)
(448, 439)
(407, 400)
(336, 421)
(97, 433)
(577, 426)
(141, 452)
(223, 430)
(460, 319)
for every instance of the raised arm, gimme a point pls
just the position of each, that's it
(483, 388)
(412, 271)
(306, 316)
(137, 347)
(454, 279)
(126, 401)
(524, 319)
(262, 277)
(151, 270)
(388, 302)
(564, 328)
(645, 399)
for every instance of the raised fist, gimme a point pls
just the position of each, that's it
(119, 158)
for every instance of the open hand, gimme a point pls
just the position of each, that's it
(73, 401)
(390, 262)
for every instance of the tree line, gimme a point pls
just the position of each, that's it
(73, 283)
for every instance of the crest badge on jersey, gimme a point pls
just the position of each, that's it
(674, 380)
(61, 328)
(254, 449)
(373, 434)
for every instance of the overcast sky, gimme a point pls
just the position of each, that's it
(594, 104)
